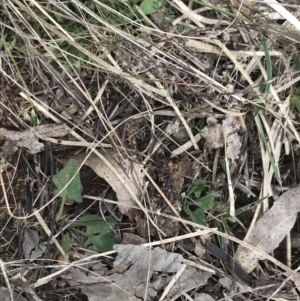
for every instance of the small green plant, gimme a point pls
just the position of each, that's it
(296, 62)
(149, 7)
(66, 242)
(295, 99)
(209, 203)
(35, 121)
(204, 203)
(182, 29)
(267, 86)
(98, 232)
(72, 189)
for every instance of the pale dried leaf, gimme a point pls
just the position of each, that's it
(130, 172)
(203, 297)
(199, 250)
(270, 229)
(5, 296)
(29, 139)
(226, 282)
(32, 248)
(233, 146)
(190, 279)
(131, 283)
(161, 260)
(213, 133)
(107, 292)
(231, 125)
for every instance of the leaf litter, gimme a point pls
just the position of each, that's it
(216, 134)
(132, 283)
(270, 229)
(29, 139)
(31, 246)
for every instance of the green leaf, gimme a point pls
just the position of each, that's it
(98, 232)
(296, 60)
(221, 207)
(208, 200)
(151, 6)
(295, 99)
(103, 242)
(197, 216)
(197, 189)
(66, 242)
(74, 188)
(3, 12)
(269, 66)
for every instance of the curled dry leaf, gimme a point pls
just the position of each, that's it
(270, 229)
(130, 172)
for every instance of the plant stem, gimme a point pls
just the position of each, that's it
(61, 208)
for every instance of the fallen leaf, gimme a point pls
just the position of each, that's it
(270, 229)
(32, 248)
(203, 297)
(138, 264)
(231, 126)
(132, 239)
(5, 295)
(199, 250)
(29, 139)
(190, 279)
(96, 292)
(130, 172)
(226, 282)
(213, 133)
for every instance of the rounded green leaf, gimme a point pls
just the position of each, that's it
(73, 190)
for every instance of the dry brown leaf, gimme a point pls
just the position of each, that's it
(213, 133)
(231, 125)
(31, 246)
(132, 239)
(30, 138)
(132, 282)
(130, 172)
(270, 229)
